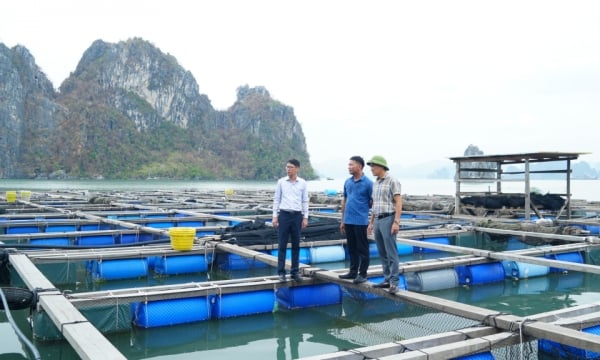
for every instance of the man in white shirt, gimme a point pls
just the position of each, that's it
(290, 216)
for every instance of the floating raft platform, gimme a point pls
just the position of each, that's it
(138, 225)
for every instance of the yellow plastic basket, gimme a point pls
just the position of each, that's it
(182, 238)
(11, 196)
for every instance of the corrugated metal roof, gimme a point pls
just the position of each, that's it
(521, 158)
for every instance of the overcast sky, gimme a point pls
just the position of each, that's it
(414, 81)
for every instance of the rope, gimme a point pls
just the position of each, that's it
(486, 319)
(520, 323)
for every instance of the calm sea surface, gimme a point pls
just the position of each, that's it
(286, 334)
(580, 189)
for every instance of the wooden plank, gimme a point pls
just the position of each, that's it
(47, 256)
(31, 275)
(452, 350)
(594, 269)
(387, 349)
(85, 339)
(571, 238)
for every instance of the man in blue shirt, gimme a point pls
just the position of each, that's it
(290, 216)
(357, 201)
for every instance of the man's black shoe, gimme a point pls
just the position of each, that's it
(382, 285)
(347, 276)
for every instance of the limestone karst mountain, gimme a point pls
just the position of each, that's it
(130, 111)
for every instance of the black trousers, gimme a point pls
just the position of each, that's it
(290, 226)
(358, 248)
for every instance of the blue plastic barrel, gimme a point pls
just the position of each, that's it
(574, 257)
(119, 269)
(23, 229)
(435, 240)
(329, 253)
(160, 225)
(481, 356)
(226, 261)
(304, 256)
(404, 249)
(373, 252)
(561, 351)
(152, 260)
(330, 192)
(186, 264)
(522, 270)
(480, 273)
(128, 238)
(95, 240)
(309, 296)
(241, 304)
(61, 228)
(432, 280)
(593, 229)
(170, 312)
(62, 241)
(95, 227)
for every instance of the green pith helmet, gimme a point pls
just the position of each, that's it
(378, 160)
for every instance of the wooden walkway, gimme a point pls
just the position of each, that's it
(86, 340)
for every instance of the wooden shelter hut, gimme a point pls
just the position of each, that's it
(493, 168)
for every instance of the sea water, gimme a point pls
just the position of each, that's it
(580, 189)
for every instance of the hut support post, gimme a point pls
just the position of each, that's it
(457, 196)
(568, 189)
(527, 192)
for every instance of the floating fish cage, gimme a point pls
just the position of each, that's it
(477, 282)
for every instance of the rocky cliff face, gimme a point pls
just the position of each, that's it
(130, 111)
(29, 113)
